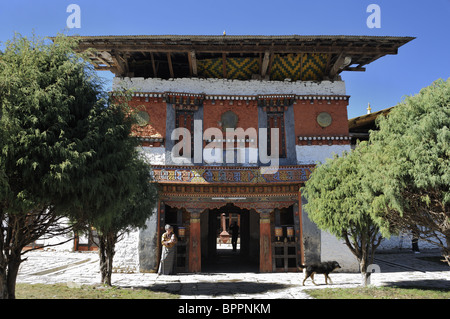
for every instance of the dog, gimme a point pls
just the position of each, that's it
(319, 268)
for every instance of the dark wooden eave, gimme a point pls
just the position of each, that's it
(359, 127)
(177, 55)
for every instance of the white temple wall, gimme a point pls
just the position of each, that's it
(126, 259)
(311, 154)
(229, 87)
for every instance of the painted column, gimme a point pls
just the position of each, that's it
(265, 241)
(224, 235)
(298, 233)
(195, 251)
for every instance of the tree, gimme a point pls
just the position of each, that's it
(133, 214)
(410, 166)
(46, 95)
(59, 132)
(117, 194)
(338, 203)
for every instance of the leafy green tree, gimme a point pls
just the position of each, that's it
(117, 194)
(409, 169)
(66, 150)
(134, 212)
(47, 93)
(337, 203)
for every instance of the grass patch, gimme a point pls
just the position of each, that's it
(378, 293)
(62, 291)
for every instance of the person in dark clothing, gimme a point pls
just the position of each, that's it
(415, 245)
(415, 240)
(234, 228)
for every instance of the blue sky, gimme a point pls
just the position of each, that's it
(384, 84)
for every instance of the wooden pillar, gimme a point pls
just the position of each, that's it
(160, 229)
(265, 241)
(298, 232)
(195, 251)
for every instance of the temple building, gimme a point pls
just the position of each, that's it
(232, 127)
(359, 127)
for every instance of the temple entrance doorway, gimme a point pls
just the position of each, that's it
(218, 251)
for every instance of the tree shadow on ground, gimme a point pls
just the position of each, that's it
(215, 288)
(410, 262)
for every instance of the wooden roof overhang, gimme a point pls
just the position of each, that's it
(175, 56)
(360, 127)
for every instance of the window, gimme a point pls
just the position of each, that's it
(276, 120)
(86, 241)
(185, 119)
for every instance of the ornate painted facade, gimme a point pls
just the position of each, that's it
(205, 85)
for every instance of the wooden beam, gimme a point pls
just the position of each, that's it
(370, 51)
(190, 63)
(194, 63)
(169, 60)
(327, 68)
(120, 66)
(265, 242)
(265, 64)
(360, 69)
(337, 65)
(103, 61)
(125, 58)
(153, 64)
(372, 59)
(103, 68)
(195, 252)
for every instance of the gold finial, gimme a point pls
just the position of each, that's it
(224, 33)
(369, 109)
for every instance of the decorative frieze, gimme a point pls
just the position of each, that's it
(228, 192)
(320, 140)
(323, 97)
(151, 141)
(184, 101)
(277, 102)
(194, 99)
(237, 175)
(142, 94)
(309, 138)
(231, 97)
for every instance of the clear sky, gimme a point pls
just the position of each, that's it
(385, 82)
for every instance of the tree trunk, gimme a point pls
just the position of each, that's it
(363, 267)
(364, 250)
(13, 270)
(3, 282)
(106, 251)
(364, 273)
(13, 238)
(8, 276)
(18, 230)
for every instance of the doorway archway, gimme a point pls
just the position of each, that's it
(217, 251)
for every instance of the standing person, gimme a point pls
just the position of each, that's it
(415, 245)
(234, 234)
(168, 241)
